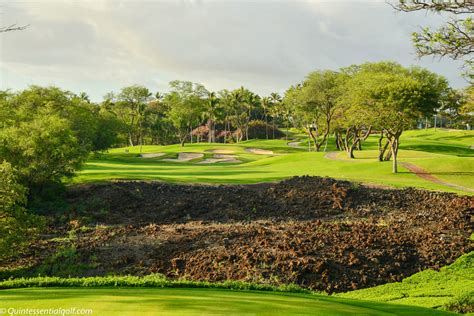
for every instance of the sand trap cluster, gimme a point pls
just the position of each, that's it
(258, 151)
(152, 155)
(183, 157)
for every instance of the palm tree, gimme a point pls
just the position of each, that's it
(211, 113)
(266, 104)
(238, 99)
(276, 100)
(251, 101)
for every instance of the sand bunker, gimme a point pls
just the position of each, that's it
(224, 156)
(258, 151)
(183, 157)
(219, 160)
(220, 151)
(152, 155)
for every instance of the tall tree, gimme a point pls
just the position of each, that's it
(186, 105)
(397, 97)
(275, 99)
(316, 103)
(266, 104)
(211, 113)
(129, 106)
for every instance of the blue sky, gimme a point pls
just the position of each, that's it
(100, 46)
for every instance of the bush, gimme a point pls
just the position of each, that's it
(461, 304)
(17, 225)
(260, 130)
(152, 280)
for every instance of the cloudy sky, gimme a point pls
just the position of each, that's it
(100, 46)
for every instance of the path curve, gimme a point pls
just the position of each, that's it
(422, 173)
(296, 144)
(332, 155)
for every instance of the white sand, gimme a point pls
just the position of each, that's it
(258, 151)
(224, 156)
(219, 160)
(220, 151)
(152, 155)
(183, 157)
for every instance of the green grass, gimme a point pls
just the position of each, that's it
(172, 301)
(124, 163)
(429, 288)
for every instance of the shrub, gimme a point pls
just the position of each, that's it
(461, 304)
(17, 225)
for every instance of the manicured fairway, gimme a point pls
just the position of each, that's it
(125, 163)
(143, 301)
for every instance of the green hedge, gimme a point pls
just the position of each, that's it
(152, 280)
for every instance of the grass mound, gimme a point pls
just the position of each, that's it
(450, 288)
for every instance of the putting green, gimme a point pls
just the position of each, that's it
(173, 301)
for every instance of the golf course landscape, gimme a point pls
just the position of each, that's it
(201, 157)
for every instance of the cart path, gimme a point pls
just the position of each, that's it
(422, 173)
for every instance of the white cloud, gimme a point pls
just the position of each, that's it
(96, 46)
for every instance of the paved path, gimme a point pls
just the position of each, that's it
(296, 144)
(333, 156)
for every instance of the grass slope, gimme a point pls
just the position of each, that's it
(429, 288)
(124, 163)
(166, 301)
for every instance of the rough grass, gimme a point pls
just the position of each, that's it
(451, 288)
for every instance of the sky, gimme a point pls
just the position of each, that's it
(101, 46)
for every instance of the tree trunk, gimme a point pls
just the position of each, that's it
(266, 123)
(394, 150)
(383, 149)
(351, 151)
(225, 130)
(130, 140)
(273, 127)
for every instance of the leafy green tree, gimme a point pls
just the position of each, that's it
(43, 150)
(467, 108)
(17, 225)
(129, 107)
(315, 102)
(186, 102)
(397, 97)
(157, 125)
